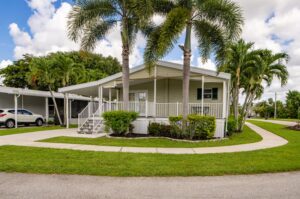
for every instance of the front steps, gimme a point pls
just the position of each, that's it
(91, 126)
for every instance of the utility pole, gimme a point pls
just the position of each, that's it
(275, 110)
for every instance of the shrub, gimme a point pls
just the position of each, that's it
(231, 124)
(154, 128)
(119, 121)
(201, 127)
(157, 129)
(176, 126)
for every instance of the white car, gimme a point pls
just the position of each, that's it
(7, 118)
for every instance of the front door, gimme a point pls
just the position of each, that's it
(138, 102)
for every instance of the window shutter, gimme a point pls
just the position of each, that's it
(199, 93)
(215, 93)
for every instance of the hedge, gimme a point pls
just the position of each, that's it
(119, 121)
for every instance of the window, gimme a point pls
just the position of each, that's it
(208, 93)
(25, 112)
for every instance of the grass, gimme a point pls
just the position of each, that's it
(280, 119)
(248, 136)
(29, 129)
(42, 160)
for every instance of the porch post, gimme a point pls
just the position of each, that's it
(16, 110)
(109, 98)
(202, 96)
(67, 110)
(224, 100)
(154, 95)
(47, 109)
(117, 98)
(100, 96)
(146, 107)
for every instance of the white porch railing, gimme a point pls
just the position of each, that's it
(146, 108)
(91, 110)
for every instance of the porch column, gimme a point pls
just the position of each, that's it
(117, 98)
(109, 98)
(67, 110)
(16, 110)
(224, 100)
(202, 96)
(154, 95)
(100, 96)
(47, 109)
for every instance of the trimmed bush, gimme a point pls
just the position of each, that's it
(119, 121)
(198, 127)
(201, 127)
(231, 124)
(157, 129)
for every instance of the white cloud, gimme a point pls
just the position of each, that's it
(209, 64)
(3, 64)
(48, 33)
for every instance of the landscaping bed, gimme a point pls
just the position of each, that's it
(248, 136)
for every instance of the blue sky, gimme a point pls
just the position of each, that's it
(39, 26)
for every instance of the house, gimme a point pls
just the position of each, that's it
(156, 95)
(40, 102)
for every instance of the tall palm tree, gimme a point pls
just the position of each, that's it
(267, 66)
(239, 57)
(214, 23)
(42, 73)
(91, 20)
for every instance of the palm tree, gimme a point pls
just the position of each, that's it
(267, 66)
(68, 69)
(239, 57)
(91, 20)
(43, 73)
(214, 22)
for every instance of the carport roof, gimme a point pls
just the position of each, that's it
(93, 85)
(37, 93)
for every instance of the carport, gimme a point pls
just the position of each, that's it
(37, 101)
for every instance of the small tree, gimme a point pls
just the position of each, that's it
(43, 73)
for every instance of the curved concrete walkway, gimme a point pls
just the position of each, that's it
(269, 140)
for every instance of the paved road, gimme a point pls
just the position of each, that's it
(280, 185)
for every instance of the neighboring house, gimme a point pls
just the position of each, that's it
(40, 102)
(156, 95)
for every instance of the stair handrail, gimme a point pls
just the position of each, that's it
(81, 115)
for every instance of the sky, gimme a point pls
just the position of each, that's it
(39, 26)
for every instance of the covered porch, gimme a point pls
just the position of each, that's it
(157, 93)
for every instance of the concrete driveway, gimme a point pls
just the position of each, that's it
(280, 185)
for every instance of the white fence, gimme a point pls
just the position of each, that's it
(166, 109)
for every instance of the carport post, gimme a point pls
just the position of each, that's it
(202, 96)
(67, 110)
(47, 109)
(16, 110)
(100, 96)
(154, 96)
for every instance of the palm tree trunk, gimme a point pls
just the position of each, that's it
(186, 71)
(55, 105)
(125, 77)
(236, 99)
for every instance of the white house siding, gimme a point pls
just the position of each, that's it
(170, 91)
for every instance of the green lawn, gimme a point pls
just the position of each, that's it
(41, 160)
(248, 136)
(30, 129)
(280, 119)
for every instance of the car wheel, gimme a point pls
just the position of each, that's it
(39, 122)
(10, 123)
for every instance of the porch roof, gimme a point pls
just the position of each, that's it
(141, 74)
